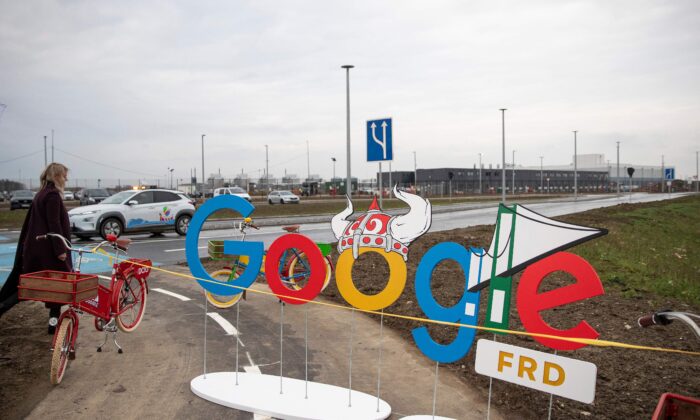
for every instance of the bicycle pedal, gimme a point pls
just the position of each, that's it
(71, 355)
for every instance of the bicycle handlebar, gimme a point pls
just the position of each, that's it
(666, 317)
(70, 247)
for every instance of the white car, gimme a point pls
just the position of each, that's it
(134, 211)
(282, 197)
(68, 195)
(237, 191)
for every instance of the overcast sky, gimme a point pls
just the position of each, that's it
(135, 84)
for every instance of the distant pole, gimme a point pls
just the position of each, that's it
(512, 172)
(697, 180)
(46, 163)
(203, 176)
(335, 190)
(267, 168)
(541, 175)
(503, 153)
(308, 165)
(348, 185)
(617, 181)
(575, 169)
(52, 146)
(480, 191)
(663, 174)
(415, 171)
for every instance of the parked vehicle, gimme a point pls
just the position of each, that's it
(21, 199)
(237, 191)
(68, 195)
(134, 211)
(282, 197)
(93, 196)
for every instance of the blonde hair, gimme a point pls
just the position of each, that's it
(56, 173)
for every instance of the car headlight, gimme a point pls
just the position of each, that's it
(92, 200)
(85, 213)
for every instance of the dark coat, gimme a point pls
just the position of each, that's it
(46, 214)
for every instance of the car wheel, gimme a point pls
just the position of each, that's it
(111, 226)
(182, 224)
(269, 201)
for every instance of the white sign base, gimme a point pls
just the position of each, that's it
(568, 378)
(426, 417)
(260, 394)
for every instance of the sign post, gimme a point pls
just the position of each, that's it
(379, 146)
(630, 171)
(669, 176)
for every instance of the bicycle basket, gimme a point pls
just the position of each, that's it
(57, 287)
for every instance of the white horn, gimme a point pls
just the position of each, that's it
(339, 222)
(413, 224)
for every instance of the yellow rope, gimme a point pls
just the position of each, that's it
(588, 341)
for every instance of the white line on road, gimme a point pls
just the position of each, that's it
(227, 326)
(181, 249)
(175, 295)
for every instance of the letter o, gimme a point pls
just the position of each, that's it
(392, 291)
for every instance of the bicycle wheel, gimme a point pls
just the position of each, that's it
(224, 301)
(132, 303)
(61, 349)
(299, 271)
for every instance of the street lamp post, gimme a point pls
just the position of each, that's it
(335, 189)
(171, 176)
(348, 185)
(203, 176)
(267, 169)
(512, 172)
(480, 173)
(575, 169)
(503, 153)
(415, 172)
(541, 175)
(617, 181)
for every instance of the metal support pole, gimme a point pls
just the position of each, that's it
(352, 331)
(379, 364)
(503, 153)
(281, 337)
(379, 185)
(205, 335)
(348, 187)
(203, 176)
(238, 339)
(617, 181)
(575, 169)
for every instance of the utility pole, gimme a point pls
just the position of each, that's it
(663, 174)
(480, 191)
(203, 176)
(575, 169)
(46, 163)
(267, 168)
(541, 176)
(415, 171)
(503, 157)
(348, 185)
(512, 172)
(617, 181)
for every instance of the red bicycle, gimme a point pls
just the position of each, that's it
(118, 306)
(674, 406)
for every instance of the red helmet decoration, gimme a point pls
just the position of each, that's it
(377, 229)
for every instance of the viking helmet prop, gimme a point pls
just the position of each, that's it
(376, 229)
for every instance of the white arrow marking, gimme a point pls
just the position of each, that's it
(376, 140)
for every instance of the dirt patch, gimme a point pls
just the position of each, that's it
(629, 382)
(24, 358)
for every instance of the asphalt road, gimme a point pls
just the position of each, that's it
(169, 248)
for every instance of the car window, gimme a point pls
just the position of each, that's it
(238, 190)
(165, 196)
(118, 198)
(98, 192)
(145, 197)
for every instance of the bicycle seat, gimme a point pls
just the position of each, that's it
(292, 228)
(123, 243)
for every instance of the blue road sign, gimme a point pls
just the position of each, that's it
(379, 140)
(669, 174)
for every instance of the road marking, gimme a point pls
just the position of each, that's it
(227, 326)
(182, 249)
(175, 295)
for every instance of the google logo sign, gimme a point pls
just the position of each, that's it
(523, 240)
